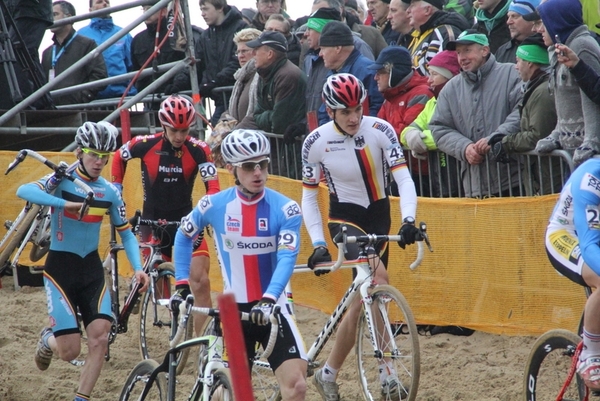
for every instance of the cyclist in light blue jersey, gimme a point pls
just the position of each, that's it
(257, 236)
(73, 273)
(573, 247)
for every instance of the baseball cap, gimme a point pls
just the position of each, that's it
(469, 37)
(273, 39)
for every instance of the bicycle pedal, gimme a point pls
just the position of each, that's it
(8, 224)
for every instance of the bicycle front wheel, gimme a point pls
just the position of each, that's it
(137, 380)
(548, 365)
(264, 382)
(13, 241)
(221, 390)
(156, 320)
(398, 341)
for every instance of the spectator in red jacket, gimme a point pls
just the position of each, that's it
(405, 94)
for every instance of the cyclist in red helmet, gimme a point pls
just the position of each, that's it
(356, 155)
(170, 162)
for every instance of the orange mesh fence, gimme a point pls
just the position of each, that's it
(488, 271)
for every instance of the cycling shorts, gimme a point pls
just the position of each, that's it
(359, 221)
(288, 346)
(73, 283)
(562, 247)
(166, 235)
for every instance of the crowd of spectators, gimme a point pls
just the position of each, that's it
(495, 104)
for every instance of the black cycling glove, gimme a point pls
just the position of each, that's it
(320, 255)
(408, 233)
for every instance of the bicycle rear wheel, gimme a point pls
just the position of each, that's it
(264, 382)
(137, 379)
(391, 314)
(41, 244)
(547, 367)
(156, 320)
(14, 240)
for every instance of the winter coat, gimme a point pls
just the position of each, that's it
(243, 97)
(389, 35)
(36, 9)
(433, 36)
(316, 74)
(472, 106)
(588, 80)
(372, 36)
(217, 49)
(281, 100)
(77, 47)
(356, 64)
(507, 53)
(117, 57)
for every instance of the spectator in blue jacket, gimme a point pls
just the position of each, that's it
(339, 55)
(117, 57)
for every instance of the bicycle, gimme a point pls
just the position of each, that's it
(155, 316)
(386, 329)
(150, 380)
(551, 367)
(32, 224)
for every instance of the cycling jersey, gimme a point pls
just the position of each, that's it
(355, 169)
(168, 174)
(257, 241)
(82, 237)
(573, 234)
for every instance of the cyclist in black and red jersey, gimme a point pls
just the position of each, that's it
(170, 162)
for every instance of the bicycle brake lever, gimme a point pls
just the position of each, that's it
(423, 233)
(20, 157)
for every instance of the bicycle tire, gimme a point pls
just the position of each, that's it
(18, 234)
(137, 379)
(547, 366)
(41, 247)
(221, 390)
(154, 339)
(406, 364)
(264, 383)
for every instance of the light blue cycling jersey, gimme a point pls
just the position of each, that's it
(257, 241)
(82, 237)
(577, 215)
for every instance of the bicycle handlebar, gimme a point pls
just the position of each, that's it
(60, 171)
(187, 308)
(136, 221)
(369, 240)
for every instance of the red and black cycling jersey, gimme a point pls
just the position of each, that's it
(168, 173)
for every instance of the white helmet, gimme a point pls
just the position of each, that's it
(244, 144)
(99, 136)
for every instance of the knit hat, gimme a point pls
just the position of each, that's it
(469, 37)
(445, 63)
(439, 4)
(534, 16)
(523, 7)
(300, 31)
(386, 1)
(401, 62)
(318, 19)
(336, 33)
(533, 50)
(273, 39)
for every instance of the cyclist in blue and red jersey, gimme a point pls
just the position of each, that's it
(257, 236)
(354, 153)
(573, 247)
(73, 272)
(170, 162)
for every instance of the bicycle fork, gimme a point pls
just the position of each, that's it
(378, 323)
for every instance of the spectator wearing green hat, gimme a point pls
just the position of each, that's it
(537, 112)
(475, 105)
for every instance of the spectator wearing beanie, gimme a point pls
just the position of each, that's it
(405, 94)
(538, 116)
(417, 136)
(519, 28)
(433, 29)
(313, 65)
(339, 55)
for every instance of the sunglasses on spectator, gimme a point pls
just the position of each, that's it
(251, 166)
(95, 154)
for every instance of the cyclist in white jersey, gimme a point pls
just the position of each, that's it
(354, 153)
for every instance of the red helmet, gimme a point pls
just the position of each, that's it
(177, 112)
(342, 91)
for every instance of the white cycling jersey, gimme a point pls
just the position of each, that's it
(354, 168)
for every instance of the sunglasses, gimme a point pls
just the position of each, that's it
(95, 154)
(251, 166)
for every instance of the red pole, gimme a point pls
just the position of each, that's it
(236, 350)
(125, 125)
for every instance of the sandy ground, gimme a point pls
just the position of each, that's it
(482, 367)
